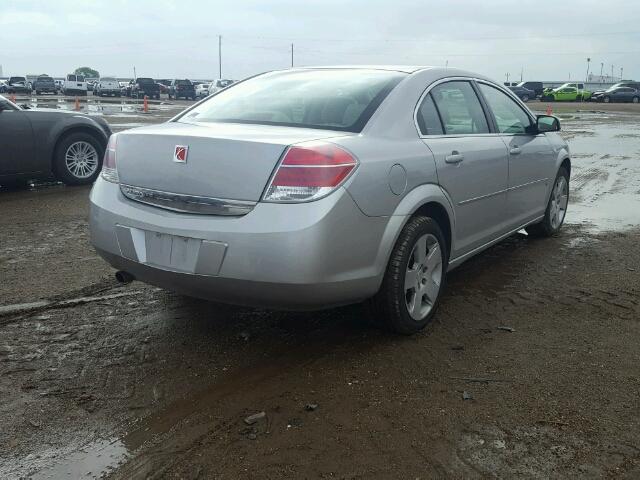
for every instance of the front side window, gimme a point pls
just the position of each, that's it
(459, 108)
(331, 99)
(510, 118)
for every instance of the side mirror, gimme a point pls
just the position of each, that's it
(547, 123)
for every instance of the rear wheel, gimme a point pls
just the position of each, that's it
(635, 99)
(556, 208)
(77, 159)
(414, 279)
(525, 98)
(606, 99)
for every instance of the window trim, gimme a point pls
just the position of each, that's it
(487, 111)
(517, 102)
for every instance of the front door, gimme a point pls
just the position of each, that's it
(17, 154)
(531, 157)
(471, 162)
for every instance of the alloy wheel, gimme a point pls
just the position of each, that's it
(559, 201)
(81, 159)
(423, 277)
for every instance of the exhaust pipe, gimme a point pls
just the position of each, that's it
(124, 277)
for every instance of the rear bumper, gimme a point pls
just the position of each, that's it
(302, 256)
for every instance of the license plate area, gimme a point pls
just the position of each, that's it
(171, 252)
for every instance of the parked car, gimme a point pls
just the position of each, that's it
(75, 85)
(107, 86)
(144, 86)
(617, 94)
(59, 85)
(334, 195)
(182, 89)
(18, 85)
(48, 143)
(3, 86)
(567, 92)
(45, 84)
(163, 88)
(202, 90)
(523, 94)
(218, 85)
(537, 87)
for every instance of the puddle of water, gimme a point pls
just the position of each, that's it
(91, 461)
(605, 183)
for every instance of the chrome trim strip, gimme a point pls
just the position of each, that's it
(481, 197)
(527, 184)
(182, 203)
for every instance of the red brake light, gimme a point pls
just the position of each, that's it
(109, 171)
(310, 171)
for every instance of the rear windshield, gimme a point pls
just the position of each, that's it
(45, 79)
(17, 79)
(183, 82)
(107, 79)
(145, 80)
(340, 99)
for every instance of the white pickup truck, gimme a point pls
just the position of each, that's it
(107, 86)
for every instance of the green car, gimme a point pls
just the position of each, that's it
(569, 92)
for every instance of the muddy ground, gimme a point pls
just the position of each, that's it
(530, 369)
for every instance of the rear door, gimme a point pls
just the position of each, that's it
(471, 161)
(531, 156)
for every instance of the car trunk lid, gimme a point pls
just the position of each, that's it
(222, 161)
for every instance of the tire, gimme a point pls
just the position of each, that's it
(635, 100)
(550, 224)
(395, 305)
(525, 98)
(78, 143)
(606, 100)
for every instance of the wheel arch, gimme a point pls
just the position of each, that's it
(94, 132)
(566, 163)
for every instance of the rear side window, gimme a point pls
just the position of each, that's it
(428, 118)
(459, 108)
(510, 118)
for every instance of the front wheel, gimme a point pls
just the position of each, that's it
(525, 98)
(556, 208)
(606, 99)
(78, 158)
(414, 278)
(635, 99)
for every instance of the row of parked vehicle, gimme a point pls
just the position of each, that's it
(625, 91)
(110, 86)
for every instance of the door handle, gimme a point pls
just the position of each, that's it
(455, 157)
(515, 150)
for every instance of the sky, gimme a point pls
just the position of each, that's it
(540, 40)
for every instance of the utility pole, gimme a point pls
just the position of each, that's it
(134, 73)
(507, 78)
(220, 57)
(612, 72)
(521, 73)
(292, 55)
(621, 69)
(446, 65)
(601, 68)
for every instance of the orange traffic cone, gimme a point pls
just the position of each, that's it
(549, 110)
(145, 105)
(77, 107)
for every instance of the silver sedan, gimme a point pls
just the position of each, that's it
(315, 187)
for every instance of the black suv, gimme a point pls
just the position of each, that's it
(535, 86)
(142, 86)
(45, 84)
(182, 88)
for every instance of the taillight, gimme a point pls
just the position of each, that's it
(109, 170)
(309, 171)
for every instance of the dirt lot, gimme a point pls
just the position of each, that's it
(530, 369)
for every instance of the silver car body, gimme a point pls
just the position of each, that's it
(239, 249)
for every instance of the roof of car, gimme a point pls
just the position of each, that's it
(396, 68)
